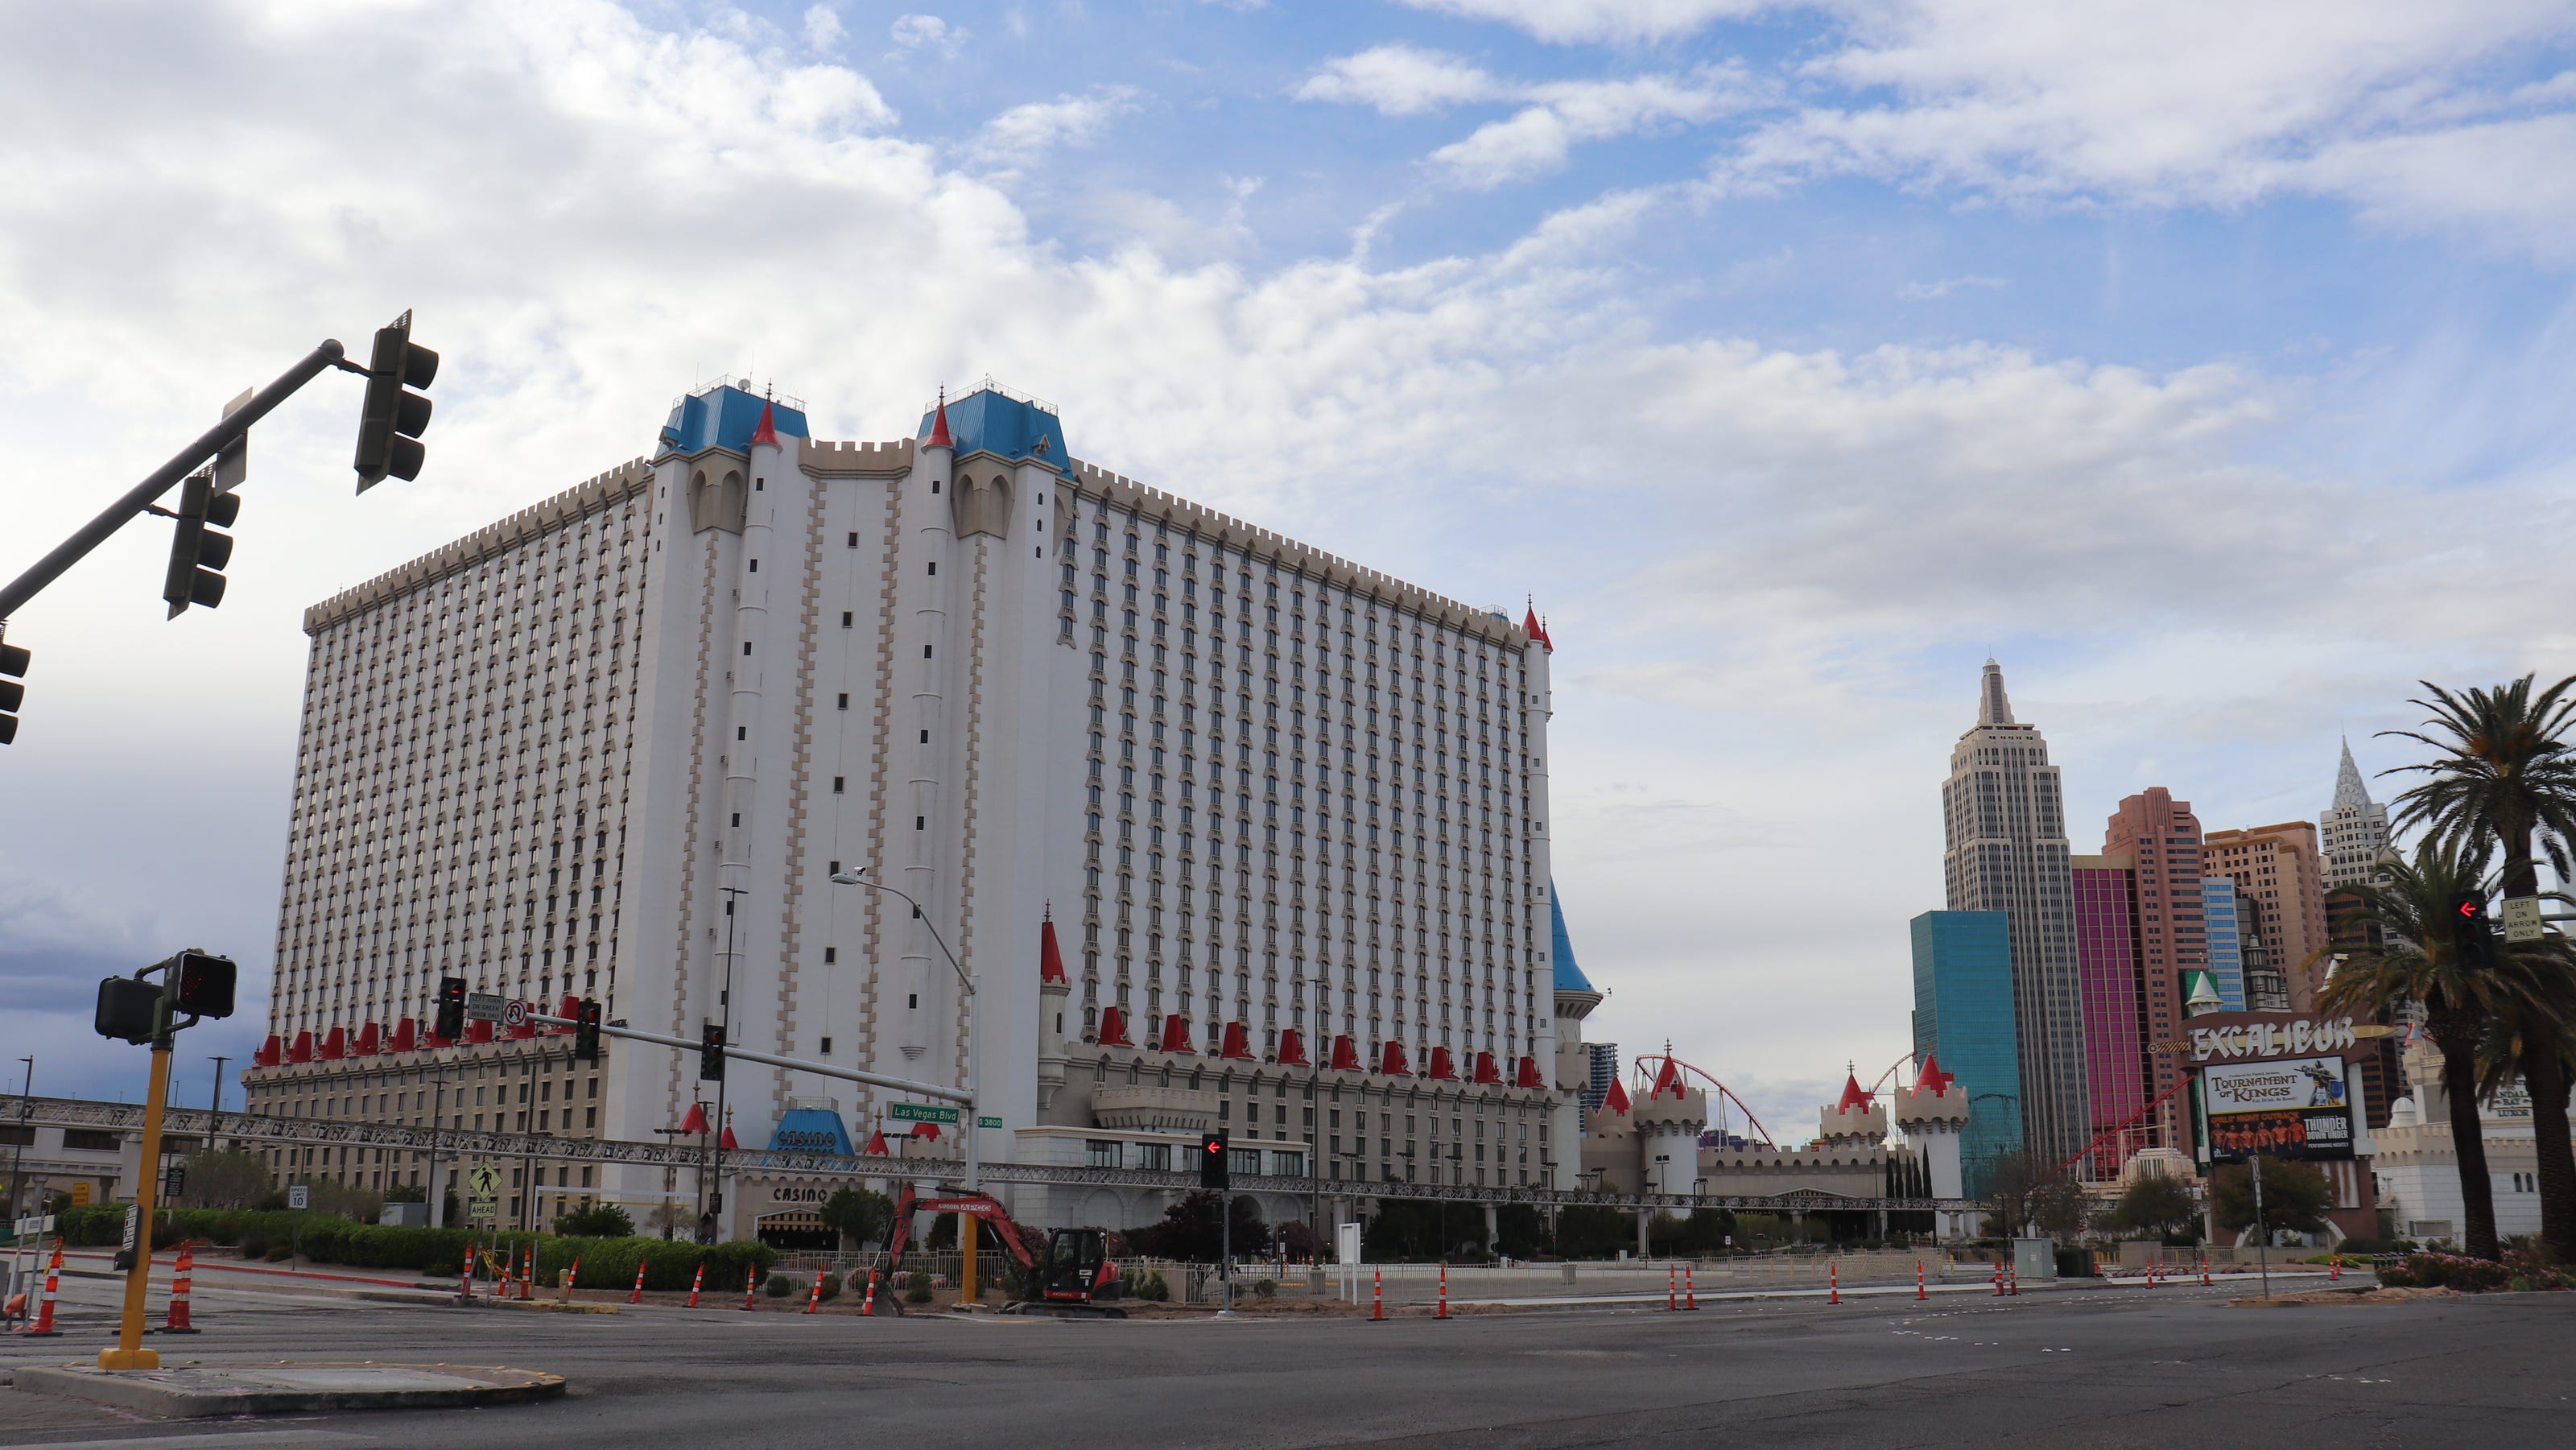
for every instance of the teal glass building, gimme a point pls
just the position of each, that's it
(1963, 1015)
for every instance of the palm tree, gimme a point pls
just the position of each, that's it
(2532, 1037)
(2417, 965)
(2504, 778)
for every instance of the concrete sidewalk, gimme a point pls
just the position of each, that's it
(1871, 1291)
(196, 1391)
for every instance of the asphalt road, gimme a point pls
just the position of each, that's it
(2088, 1368)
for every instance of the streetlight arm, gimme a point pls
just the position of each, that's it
(853, 878)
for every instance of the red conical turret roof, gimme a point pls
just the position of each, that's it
(1668, 1080)
(1050, 957)
(767, 432)
(939, 425)
(1615, 1100)
(696, 1121)
(1530, 626)
(877, 1144)
(1932, 1079)
(726, 1142)
(1852, 1097)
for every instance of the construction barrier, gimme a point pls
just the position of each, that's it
(1377, 1292)
(813, 1300)
(179, 1286)
(750, 1276)
(695, 1280)
(44, 1328)
(636, 1295)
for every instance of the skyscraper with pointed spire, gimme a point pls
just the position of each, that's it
(2355, 829)
(2004, 822)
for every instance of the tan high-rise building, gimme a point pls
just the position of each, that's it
(2281, 869)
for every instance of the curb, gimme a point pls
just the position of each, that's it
(197, 1392)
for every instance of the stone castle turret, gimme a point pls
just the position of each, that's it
(1669, 1120)
(1933, 1115)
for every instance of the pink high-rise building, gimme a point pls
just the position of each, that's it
(2109, 964)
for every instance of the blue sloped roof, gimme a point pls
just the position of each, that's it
(998, 423)
(724, 417)
(810, 1130)
(1569, 976)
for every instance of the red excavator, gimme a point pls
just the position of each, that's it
(1069, 1276)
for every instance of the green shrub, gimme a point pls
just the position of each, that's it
(254, 1248)
(280, 1253)
(2447, 1271)
(917, 1289)
(777, 1287)
(831, 1285)
(1266, 1288)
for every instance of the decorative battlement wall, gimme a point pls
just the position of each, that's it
(856, 460)
(570, 506)
(1123, 492)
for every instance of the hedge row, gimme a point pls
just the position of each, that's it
(434, 1251)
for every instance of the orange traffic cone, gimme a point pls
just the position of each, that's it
(814, 1300)
(465, 1276)
(868, 1306)
(1833, 1281)
(2204, 1271)
(572, 1276)
(2334, 1267)
(1444, 1290)
(178, 1323)
(44, 1328)
(1672, 1288)
(2014, 1279)
(1999, 1278)
(528, 1272)
(1377, 1293)
(1690, 1290)
(636, 1295)
(695, 1280)
(750, 1276)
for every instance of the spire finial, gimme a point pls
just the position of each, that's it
(939, 423)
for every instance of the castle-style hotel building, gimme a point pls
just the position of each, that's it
(1228, 831)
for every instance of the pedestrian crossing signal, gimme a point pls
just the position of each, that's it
(1212, 1160)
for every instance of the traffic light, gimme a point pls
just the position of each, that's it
(451, 1008)
(201, 984)
(128, 1009)
(198, 552)
(174, 1184)
(585, 1032)
(711, 1053)
(13, 668)
(1212, 1160)
(393, 416)
(2471, 939)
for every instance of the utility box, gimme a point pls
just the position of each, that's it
(2034, 1258)
(404, 1215)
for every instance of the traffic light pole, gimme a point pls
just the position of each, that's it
(770, 1059)
(129, 1352)
(18, 591)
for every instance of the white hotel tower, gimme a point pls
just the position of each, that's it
(1270, 826)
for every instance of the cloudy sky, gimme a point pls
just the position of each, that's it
(2206, 361)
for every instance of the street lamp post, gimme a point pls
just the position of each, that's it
(974, 1020)
(215, 1113)
(712, 1208)
(18, 1157)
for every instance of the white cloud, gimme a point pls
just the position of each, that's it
(1025, 132)
(2196, 102)
(1618, 21)
(1401, 80)
(1934, 291)
(823, 28)
(926, 33)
